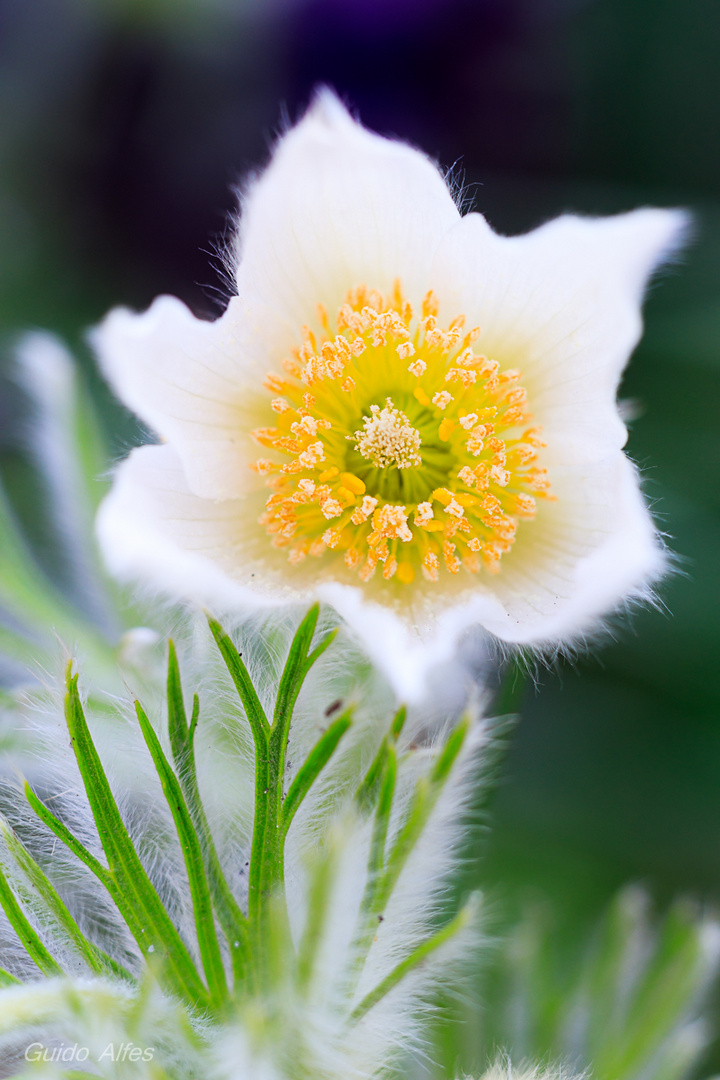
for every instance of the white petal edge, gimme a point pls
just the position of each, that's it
(154, 531)
(197, 384)
(336, 207)
(562, 304)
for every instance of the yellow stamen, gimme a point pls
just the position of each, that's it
(447, 426)
(359, 458)
(405, 572)
(354, 483)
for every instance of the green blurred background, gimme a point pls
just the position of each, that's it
(123, 127)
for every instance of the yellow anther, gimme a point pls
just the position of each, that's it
(390, 568)
(345, 495)
(429, 304)
(329, 474)
(405, 573)
(432, 526)
(354, 483)
(331, 537)
(466, 500)
(263, 466)
(430, 566)
(331, 508)
(442, 495)
(352, 558)
(447, 426)
(420, 395)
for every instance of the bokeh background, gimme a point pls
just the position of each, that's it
(123, 128)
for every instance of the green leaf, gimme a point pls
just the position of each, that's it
(96, 959)
(194, 863)
(319, 894)
(243, 683)
(269, 796)
(28, 936)
(450, 751)
(664, 991)
(296, 668)
(177, 718)
(231, 918)
(194, 719)
(376, 860)
(150, 920)
(368, 790)
(311, 768)
(369, 908)
(264, 796)
(63, 833)
(427, 792)
(421, 953)
(398, 723)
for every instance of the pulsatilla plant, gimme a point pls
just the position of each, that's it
(297, 964)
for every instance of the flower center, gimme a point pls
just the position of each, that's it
(388, 438)
(396, 443)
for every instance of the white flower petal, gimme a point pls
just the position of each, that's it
(336, 207)
(593, 549)
(195, 383)
(152, 529)
(339, 206)
(561, 303)
(586, 553)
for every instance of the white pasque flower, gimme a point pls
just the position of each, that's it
(400, 412)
